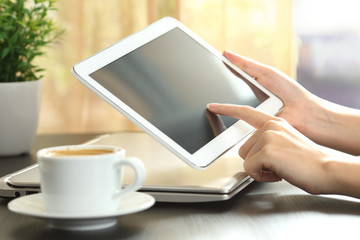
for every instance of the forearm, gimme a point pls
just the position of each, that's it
(344, 177)
(334, 126)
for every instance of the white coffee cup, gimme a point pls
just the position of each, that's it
(85, 179)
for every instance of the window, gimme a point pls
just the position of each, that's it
(329, 53)
(260, 29)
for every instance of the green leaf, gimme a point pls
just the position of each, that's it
(21, 23)
(5, 53)
(26, 27)
(14, 38)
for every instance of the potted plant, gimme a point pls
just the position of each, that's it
(25, 28)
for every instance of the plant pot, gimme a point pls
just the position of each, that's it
(19, 108)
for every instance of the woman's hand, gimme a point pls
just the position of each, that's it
(296, 99)
(323, 122)
(278, 151)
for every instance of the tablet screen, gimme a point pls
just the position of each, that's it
(170, 80)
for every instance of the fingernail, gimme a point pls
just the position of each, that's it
(212, 105)
(229, 54)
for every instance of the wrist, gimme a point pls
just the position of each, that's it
(342, 176)
(315, 122)
(332, 125)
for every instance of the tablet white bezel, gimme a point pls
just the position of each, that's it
(209, 152)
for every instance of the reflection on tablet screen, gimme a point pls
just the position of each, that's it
(170, 80)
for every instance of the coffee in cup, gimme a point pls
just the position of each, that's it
(85, 179)
(77, 152)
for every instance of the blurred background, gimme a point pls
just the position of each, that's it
(315, 42)
(329, 50)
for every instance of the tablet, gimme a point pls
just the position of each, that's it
(163, 77)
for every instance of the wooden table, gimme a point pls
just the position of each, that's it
(262, 211)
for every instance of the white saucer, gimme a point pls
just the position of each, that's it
(32, 205)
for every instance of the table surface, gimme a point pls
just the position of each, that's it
(263, 211)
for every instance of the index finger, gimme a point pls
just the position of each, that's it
(248, 114)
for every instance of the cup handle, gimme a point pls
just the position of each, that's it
(140, 175)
